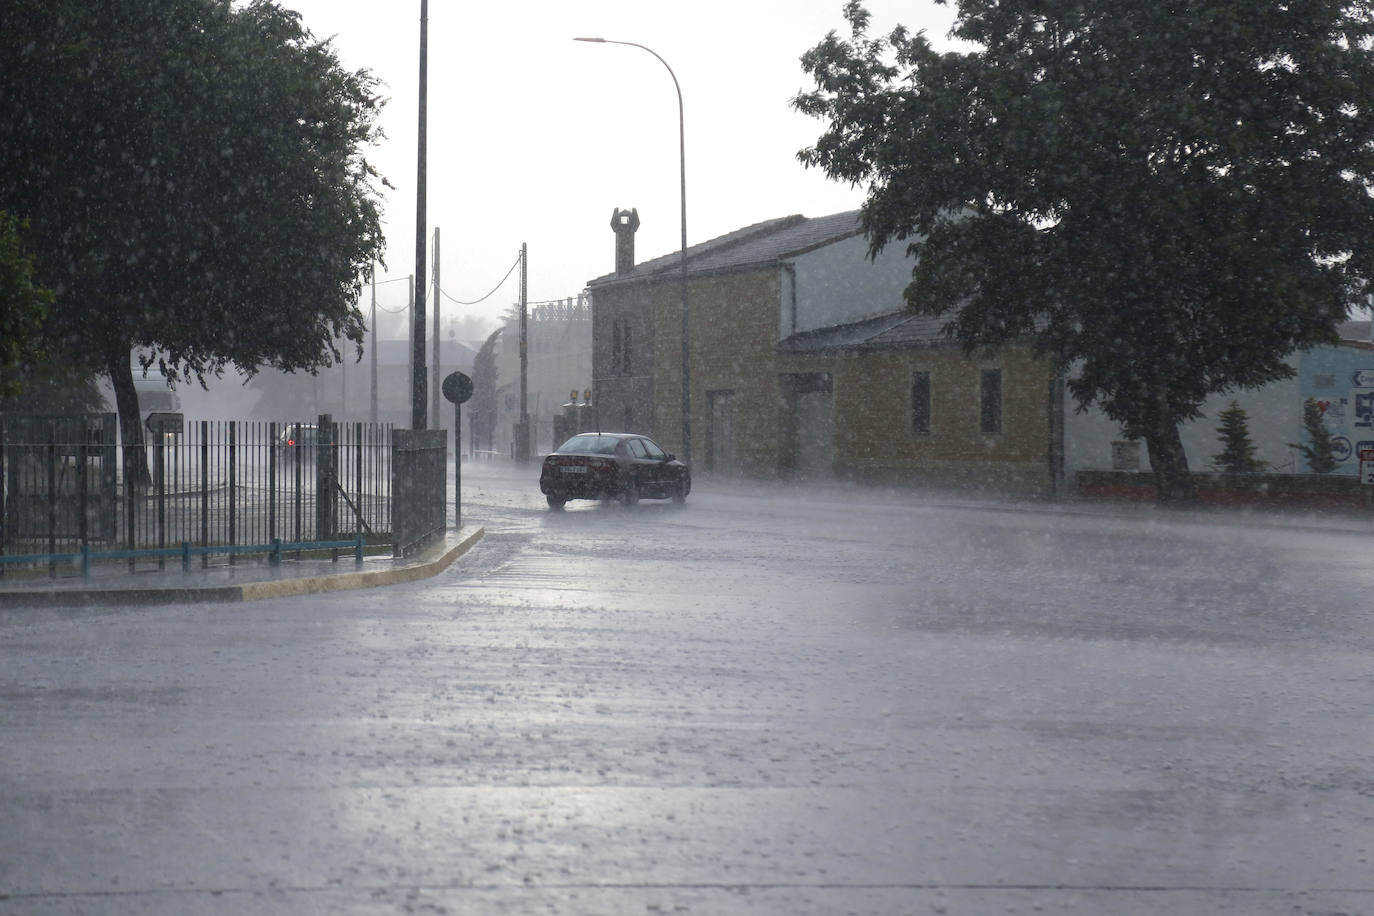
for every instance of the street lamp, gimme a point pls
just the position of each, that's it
(682, 278)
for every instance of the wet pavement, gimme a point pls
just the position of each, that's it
(770, 701)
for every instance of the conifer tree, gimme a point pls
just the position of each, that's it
(483, 406)
(1319, 450)
(1237, 455)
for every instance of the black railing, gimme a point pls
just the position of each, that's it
(211, 484)
(57, 482)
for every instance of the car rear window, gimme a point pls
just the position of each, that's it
(595, 445)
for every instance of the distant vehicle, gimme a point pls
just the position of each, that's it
(297, 440)
(154, 393)
(622, 466)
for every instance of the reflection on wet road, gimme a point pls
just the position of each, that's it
(764, 702)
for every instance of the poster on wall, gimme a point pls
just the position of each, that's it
(1345, 394)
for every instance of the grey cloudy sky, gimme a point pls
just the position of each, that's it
(536, 138)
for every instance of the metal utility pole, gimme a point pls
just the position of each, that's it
(417, 331)
(686, 455)
(522, 429)
(410, 308)
(434, 389)
(372, 412)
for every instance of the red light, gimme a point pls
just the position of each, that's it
(290, 441)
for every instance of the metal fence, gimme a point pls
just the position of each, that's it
(66, 486)
(57, 481)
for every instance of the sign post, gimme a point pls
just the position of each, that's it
(457, 389)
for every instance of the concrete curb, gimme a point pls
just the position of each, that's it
(431, 562)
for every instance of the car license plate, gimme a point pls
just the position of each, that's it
(574, 469)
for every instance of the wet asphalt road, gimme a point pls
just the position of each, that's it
(855, 702)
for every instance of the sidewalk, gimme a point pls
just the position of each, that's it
(247, 580)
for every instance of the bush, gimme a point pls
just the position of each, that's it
(1319, 450)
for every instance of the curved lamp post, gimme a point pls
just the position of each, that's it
(682, 279)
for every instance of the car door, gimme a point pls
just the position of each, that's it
(656, 470)
(640, 471)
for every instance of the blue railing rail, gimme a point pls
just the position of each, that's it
(186, 551)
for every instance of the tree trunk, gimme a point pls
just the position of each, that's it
(1173, 483)
(136, 476)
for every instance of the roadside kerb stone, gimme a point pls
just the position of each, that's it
(429, 562)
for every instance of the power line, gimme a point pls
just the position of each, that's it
(381, 308)
(488, 295)
(446, 294)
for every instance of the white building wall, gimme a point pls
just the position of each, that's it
(1273, 415)
(838, 284)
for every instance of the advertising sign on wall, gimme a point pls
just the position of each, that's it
(1341, 381)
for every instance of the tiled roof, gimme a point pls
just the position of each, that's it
(906, 330)
(762, 243)
(902, 330)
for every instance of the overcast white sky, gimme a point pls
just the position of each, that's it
(536, 138)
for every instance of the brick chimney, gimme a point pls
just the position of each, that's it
(625, 223)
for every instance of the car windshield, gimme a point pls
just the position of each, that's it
(595, 445)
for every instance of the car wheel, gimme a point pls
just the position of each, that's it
(630, 495)
(679, 493)
(556, 502)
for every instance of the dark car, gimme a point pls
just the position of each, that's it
(621, 466)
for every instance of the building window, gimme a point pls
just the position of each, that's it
(990, 401)
(620, 347)
(615, 347)
(920, 402)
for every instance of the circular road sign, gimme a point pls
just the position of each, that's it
(457, 387)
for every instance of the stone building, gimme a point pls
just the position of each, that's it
(804, 362)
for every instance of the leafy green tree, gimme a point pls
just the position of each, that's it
(23, 306)
(1165, 199)
(1237, 455)
(52, 389)
(483, 407)
(1320, 447)
(194, 175)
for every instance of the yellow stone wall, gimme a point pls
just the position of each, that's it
(734, 322)
(873, 428)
